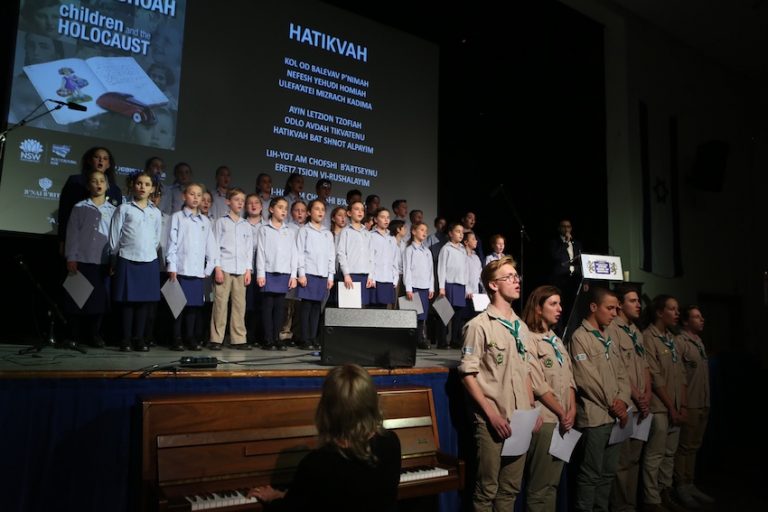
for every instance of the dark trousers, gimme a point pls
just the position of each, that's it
(272, 316)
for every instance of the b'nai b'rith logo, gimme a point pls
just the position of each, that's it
(31, 151)
(43, 192)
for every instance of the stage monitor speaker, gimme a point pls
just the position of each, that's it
(369, 337)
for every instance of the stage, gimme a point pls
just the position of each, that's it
(71, 421)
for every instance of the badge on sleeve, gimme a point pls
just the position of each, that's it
(580, 357)
(467, 350)
(548, 363)
(499, 359)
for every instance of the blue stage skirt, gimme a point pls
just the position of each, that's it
(136, 281)
(194, 289)
(384, 293)
(423, 294)
(365, 293)
(456, 294)
(315, 289)
(276, 283)
(98, 302)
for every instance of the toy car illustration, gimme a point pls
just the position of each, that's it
(127, 105)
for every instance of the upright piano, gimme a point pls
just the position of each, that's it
(204, 451)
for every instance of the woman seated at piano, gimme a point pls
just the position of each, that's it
(357, 463)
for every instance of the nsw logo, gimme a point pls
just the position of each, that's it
(31, 151)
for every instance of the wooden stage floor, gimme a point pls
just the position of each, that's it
(109, 362)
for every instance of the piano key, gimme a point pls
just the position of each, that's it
(422, 473)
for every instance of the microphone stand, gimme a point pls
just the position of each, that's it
(26, 120)
(53, 313)
(523, 233)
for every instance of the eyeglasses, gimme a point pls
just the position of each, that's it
(515, 278)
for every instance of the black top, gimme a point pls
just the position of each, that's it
(326, 480)
(74, 191)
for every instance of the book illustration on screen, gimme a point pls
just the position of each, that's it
(103, 84)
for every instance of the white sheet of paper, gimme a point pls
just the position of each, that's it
(672, 429)
(642, 430)
(444, 309)
(350, 297)
(414, 304)
(174, 296)
(480, 301)
(619, 434)
(78, 287)
(521, 423)
(562, 446)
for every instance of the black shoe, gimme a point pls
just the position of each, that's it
(193, 345)
(242, 346)
(125, 346)
(177, 346)
(98, 342)
(214, 346)
(269, 346)
(139, 345)
(150, 342)
(423, 345)
(282, 347)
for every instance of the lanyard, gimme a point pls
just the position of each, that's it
(514, 329)
(633, 336)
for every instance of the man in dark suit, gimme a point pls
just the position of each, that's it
(565, 272)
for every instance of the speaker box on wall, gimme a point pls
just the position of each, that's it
(369, 337)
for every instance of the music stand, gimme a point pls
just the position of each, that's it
(53, 313)
(594, 268)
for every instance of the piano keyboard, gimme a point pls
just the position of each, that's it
(422, 473)
(212, 500)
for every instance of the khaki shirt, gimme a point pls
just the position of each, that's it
(696, 365)
(634, 363)
(665, 372)
(490, 352)
(600, 377)
(559, 377)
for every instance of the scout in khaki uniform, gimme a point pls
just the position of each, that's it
(696, 363)
(668, 403)
(629, 341)
(602, 397)
(542, 470)
(496, 376)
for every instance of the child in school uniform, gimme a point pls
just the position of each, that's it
(338, 222)
(276, 262)
(289, 332)
(397, 230)
(497, 244)
(452, 278)
(234, 263)
(386, 254)
(354, 253)
(205, 204)
(87, 251)
(293, 190)
(134, 236)
(264, 190)
(254, 215)
(191, 245)
(173, 198)
(474, 270)
(316, 268)
(418, 276)
(220, 193)
(157, 198)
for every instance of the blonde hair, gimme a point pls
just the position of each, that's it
(348, 414)
(489, 272)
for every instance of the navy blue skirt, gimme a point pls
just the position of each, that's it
(136, 281)
(456, 294)
(276, 283)
(423, 294)
(365, 293)
(98, 302)
(384, 293)
(315, 289)
(194, 289)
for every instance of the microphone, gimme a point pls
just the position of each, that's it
(498, 189)
(71, 105)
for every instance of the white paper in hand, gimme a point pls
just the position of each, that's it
(640, 431)
(350, 297)
(480, 302)
(414, 305)
(79, 288)
(174, 296)
(562, 446)
(521, 423)
(444, 309)
(619, 434)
